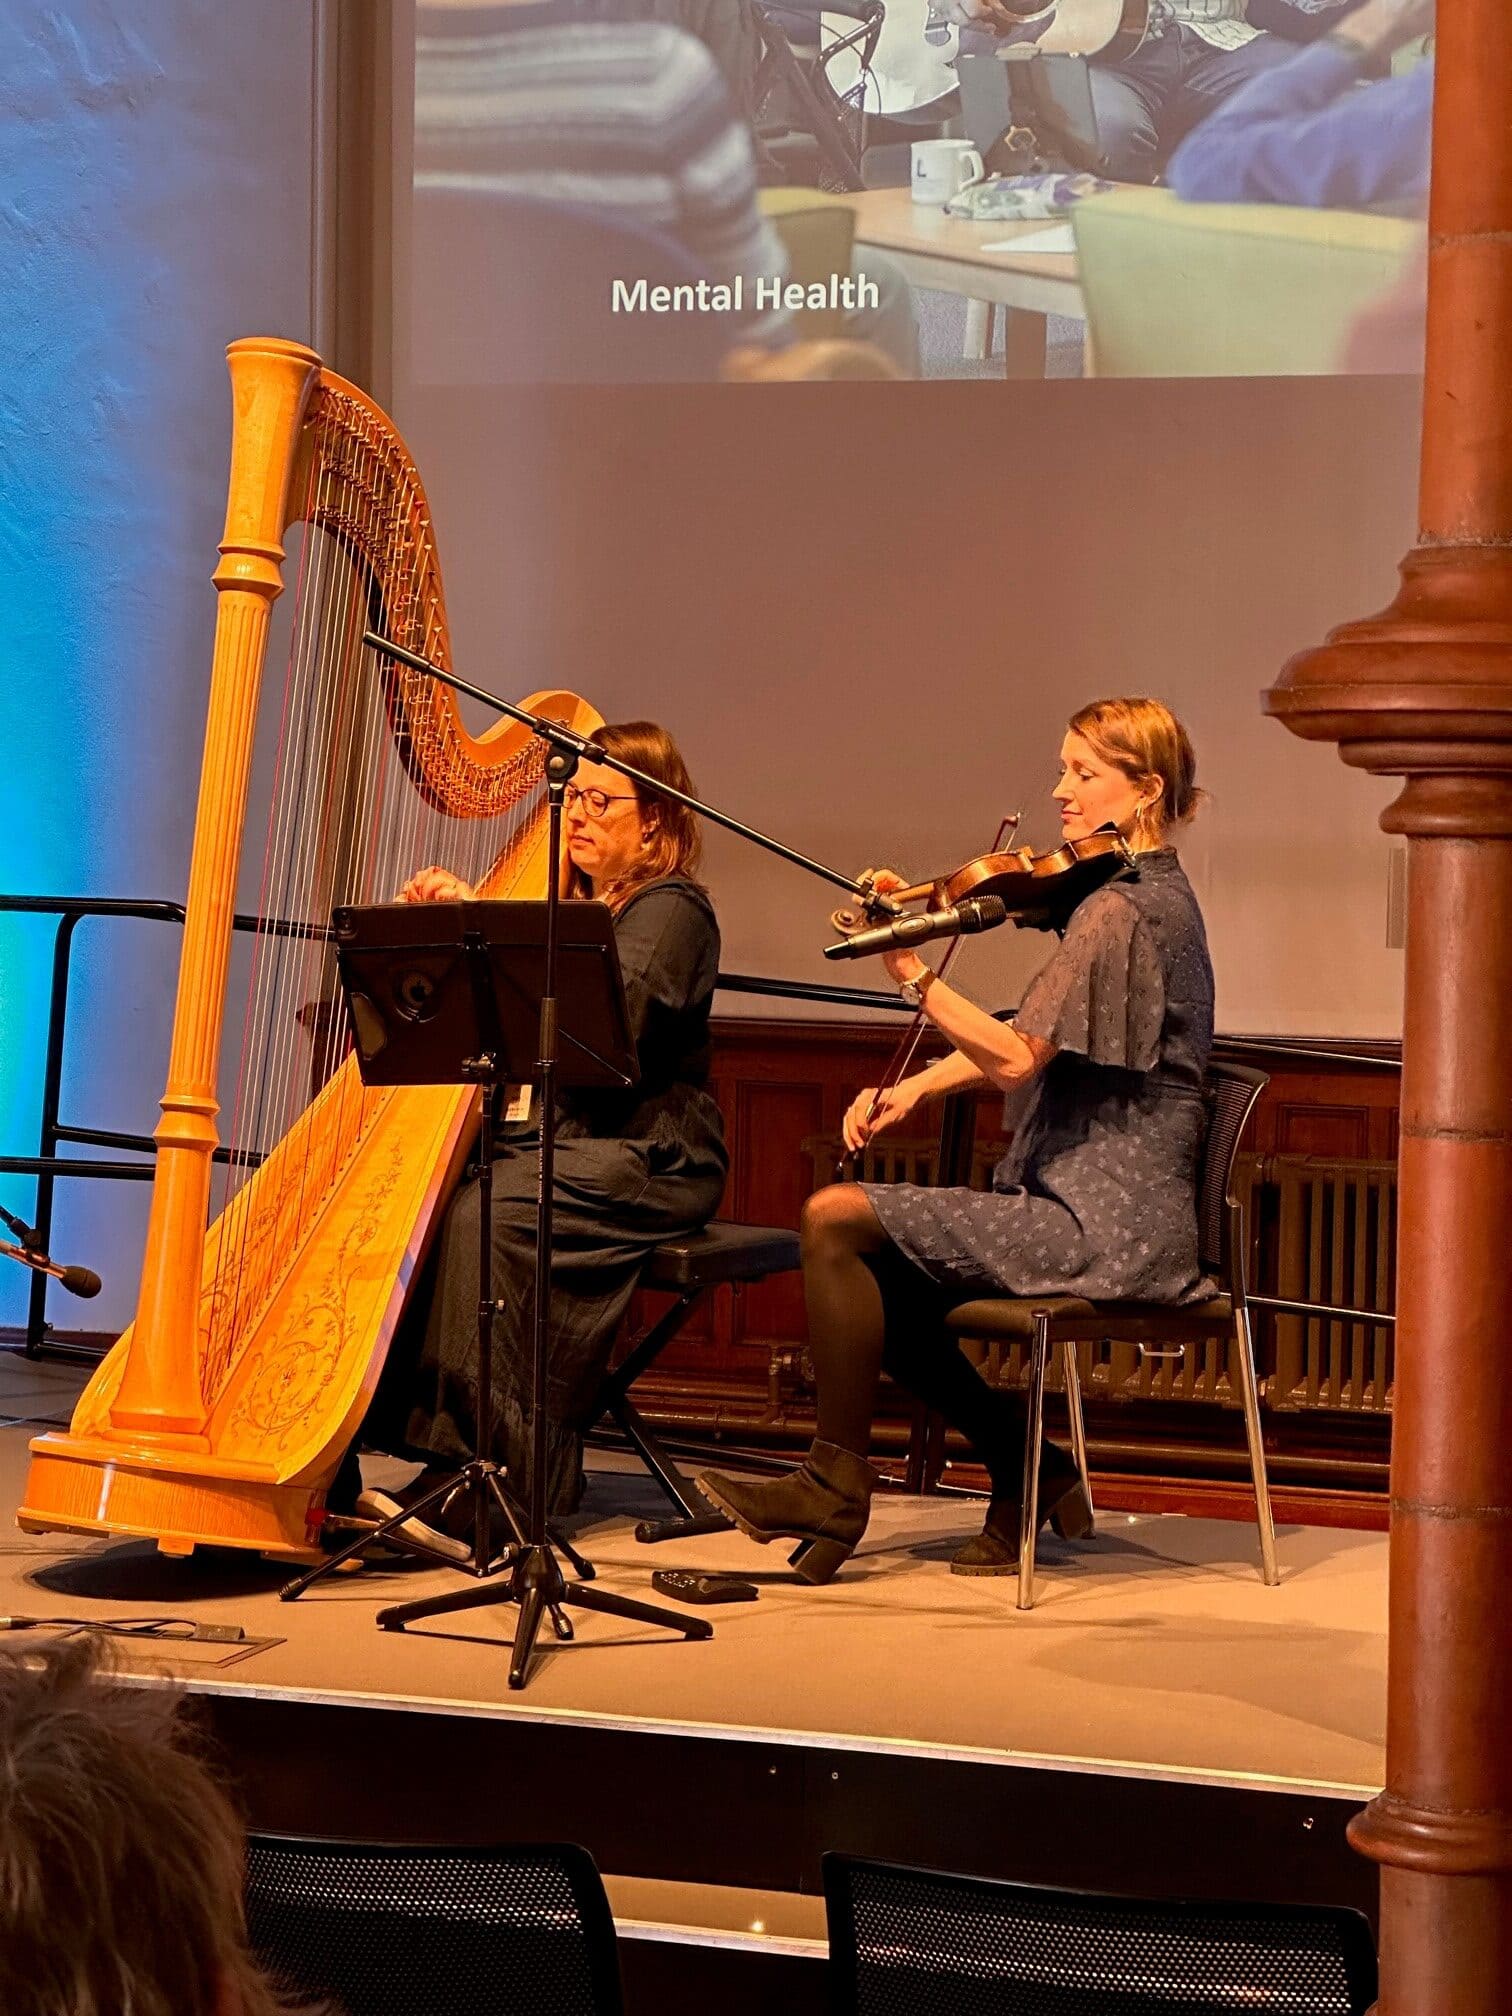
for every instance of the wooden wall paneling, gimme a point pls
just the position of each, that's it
(775, 1119)
(783, 1087)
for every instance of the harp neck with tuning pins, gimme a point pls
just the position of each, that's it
(273, 1280)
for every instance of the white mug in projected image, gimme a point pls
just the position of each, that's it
(943, 168)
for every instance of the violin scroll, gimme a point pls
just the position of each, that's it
(875, 902)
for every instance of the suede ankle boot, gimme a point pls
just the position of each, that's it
(823, 1505)
(1062, 1502)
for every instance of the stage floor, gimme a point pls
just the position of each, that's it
(1157, 1677)
(1235, 1682)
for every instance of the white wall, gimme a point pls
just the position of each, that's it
(155, 201)
(867, 611)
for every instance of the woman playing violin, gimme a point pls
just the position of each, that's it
(1096, 1196)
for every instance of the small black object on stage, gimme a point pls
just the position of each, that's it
(686, 1587)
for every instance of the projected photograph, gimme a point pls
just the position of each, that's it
(629, 191)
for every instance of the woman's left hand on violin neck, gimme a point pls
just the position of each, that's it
(902, 965)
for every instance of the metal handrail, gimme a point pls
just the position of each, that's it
(1335, 1312)
(47, 1166)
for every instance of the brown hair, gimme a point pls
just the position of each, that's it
(120, 1856)
(1143, 738)
(674, 847)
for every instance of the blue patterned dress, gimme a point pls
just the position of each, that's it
(1097, 1193)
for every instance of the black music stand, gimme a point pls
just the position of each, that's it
(488, 994)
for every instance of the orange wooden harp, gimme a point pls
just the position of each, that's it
(222, 1413)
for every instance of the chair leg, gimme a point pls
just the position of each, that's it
(1078, 1425)
(977, 342)
(1034, 1442)
(1250, 1389)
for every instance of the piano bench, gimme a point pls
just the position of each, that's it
(688, 1268)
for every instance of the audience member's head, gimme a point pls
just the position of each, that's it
(120, 1856)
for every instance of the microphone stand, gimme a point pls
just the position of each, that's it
(536, 1581)
(81, 1281)
(582, 749)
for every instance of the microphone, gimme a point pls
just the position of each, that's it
(976, 913)
(77, 1280)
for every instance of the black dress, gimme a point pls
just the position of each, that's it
(1097, 1193)
(632, 1168)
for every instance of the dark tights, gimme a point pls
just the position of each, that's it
(871, 1310)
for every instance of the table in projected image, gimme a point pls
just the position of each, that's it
(946, 254)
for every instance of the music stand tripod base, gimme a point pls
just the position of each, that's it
(536, 1584)
(460, 993)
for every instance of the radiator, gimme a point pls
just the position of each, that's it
(1319, 1230)
(1324, 1231)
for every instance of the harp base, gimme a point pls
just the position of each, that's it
(79, 1485)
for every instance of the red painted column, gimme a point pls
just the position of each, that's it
(1424, 692)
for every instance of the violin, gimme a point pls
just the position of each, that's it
(1039, 889)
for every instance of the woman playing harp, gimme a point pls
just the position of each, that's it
(633, 1167)
(224, 1411)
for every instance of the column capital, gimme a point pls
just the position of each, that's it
(1421, 691)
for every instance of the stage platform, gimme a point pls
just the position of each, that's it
(1161, 1721)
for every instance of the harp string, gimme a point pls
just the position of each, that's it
(255, 1017)
(249, 1060)
(312, 887)
(329, 1034)
(259, 1233)
(347, 822)
(295, 894)
(364, 878)
(249, 1229)
(363, 734)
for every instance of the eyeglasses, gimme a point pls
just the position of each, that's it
(595, 803)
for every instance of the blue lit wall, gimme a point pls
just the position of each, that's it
(155, 201)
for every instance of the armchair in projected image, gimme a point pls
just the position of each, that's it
(818, 234)
(807, 130)
(1220, 290)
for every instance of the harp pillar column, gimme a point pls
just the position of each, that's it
(1424, 692)
(159, 1396)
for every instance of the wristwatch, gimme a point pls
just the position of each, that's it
(913, 991)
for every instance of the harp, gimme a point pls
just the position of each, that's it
(275, 1274)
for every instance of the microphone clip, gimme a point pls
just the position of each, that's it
(28, 1235)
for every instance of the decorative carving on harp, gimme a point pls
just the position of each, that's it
(272, 1286)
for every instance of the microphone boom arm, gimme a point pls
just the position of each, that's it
(587, 751)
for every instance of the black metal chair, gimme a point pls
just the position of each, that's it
(1045, 1323)
(689, 1269)
(916, 1942)
(807, 131)
(417, 1931)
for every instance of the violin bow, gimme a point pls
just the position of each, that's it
(908, 1043)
